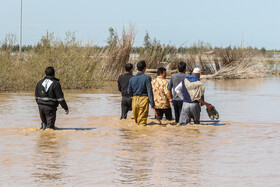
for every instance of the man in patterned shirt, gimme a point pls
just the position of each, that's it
(162, 97)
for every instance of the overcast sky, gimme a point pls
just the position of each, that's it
(177, 22)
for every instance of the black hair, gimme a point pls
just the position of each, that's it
(160, 71)
(141, 65)
(50, 71)
(128, 67)
(182, 66)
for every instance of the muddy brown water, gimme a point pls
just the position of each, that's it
(92, 147)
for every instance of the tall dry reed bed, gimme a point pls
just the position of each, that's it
(117, 54)
(225, 63)
(157, 55)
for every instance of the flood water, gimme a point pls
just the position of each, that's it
(92, 147)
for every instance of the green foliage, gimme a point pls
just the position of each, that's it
(263, 50)
(9, 42)
(113, 37)
(199, 47)
(76, 66)
(147, 41)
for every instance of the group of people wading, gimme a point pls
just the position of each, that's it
(184, 92)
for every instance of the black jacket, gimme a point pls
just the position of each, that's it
(123, 83)
(48, 92)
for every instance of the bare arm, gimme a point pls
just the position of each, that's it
(170, 97)
(208, 105)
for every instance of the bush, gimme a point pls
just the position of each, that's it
(76, 66)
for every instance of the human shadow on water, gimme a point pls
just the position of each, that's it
(153, 123)
(164, 123)
(211, 122)
(76, 129)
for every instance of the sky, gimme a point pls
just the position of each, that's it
(177, 22)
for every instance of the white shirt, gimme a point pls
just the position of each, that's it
(179, 90)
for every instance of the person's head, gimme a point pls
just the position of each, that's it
(182, 67)
(196, 71)
(50, 71)
(129, 68)
(141, 66)
(161, 72)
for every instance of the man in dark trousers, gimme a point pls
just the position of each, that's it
(48, 95)
(173, 83)
(162, 97)
(123, 81)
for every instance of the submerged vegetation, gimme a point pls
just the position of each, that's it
(81, 65)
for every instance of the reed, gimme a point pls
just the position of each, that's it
(239, 64)
(224, 63)
(117, 54)
(157, 55)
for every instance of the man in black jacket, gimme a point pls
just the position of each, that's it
(48, 95)
(122, 85)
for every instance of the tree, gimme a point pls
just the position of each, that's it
(263, 50)
(147, 40)
(8, 42)
(113, 37)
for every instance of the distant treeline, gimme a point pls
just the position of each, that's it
(9, 43)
